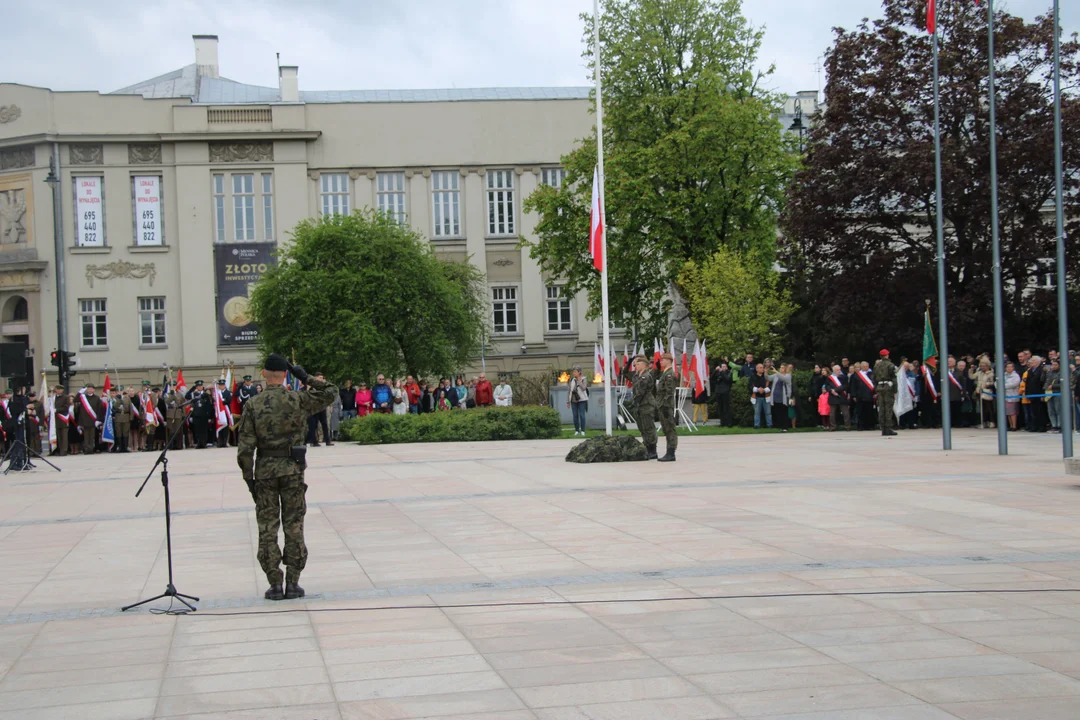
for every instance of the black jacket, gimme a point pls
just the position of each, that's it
(348, 398)
(758, 381)
(838, 395)
(817, 386)
(721, 382)
(859, 390)
(202, 407)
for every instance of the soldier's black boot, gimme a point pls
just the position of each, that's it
(888, 432)
(669, 456)
(650, 452)
(292, 586)
(274, 593)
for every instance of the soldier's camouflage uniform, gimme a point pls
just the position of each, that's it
(273, 422)
(885, 385)
(665, 402)
(645, 406)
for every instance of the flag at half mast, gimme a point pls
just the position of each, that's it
(596, 224)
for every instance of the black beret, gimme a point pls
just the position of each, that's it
(275, 363)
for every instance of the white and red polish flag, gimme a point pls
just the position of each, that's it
(596, 224)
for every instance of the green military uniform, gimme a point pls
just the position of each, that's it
(174, 418)
(645, 408)
(34, 418)
(885, 386)
(665, 402)
(122, 414)
(274, 422)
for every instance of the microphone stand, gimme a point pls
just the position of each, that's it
(170, 589)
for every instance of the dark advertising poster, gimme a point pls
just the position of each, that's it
(237, 267)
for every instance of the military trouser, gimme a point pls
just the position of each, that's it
(646, 423)
(89, 439)
(171, 427)
(123, 429)
(61, 437)
(667, 424)
(281, 501)
(885, 410)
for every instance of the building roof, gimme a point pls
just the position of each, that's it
(186, 82)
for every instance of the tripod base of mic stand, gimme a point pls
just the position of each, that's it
(170, 592)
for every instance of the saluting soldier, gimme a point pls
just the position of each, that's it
(174, 417)
(666, 385)
(645, 404)
(122, 415)
(61, 408)
(273, 426)
(885, 382)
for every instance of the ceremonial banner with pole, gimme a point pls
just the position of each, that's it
(999, 332)
(946, 414)
(1063, 309)
(597, 224)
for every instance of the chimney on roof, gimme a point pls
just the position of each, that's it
(288, 83)
(206, 59)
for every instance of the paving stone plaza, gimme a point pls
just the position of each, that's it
(803, 576)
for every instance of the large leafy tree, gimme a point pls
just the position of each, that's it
(737, 308)
(861, 215)
(362, 294)
(695, 159)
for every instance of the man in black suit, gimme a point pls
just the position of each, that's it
(839, 399)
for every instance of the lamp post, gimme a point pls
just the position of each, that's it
(797, 124)
(53, 179)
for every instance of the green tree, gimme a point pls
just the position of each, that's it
(695, 159)
(362, 294)
(736, 306)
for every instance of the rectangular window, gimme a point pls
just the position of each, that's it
(1046, 274)
(268, 206)
(89, 211)
(146, 202)
(152, 320)
(243, 188)
(95, 329)
(559, 312)
(504, 308)
(446, 200)
(334, 193)
(500, 189)
(219, 208)
(552, 177)
(390, 195)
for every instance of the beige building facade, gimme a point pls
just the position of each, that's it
(174, 191)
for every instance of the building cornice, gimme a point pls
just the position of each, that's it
(40, 138)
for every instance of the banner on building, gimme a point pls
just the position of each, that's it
(237, 267)
(89, 215)
(146, 191)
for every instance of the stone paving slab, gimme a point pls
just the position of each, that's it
(809, 576)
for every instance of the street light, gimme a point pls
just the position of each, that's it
(797, 124)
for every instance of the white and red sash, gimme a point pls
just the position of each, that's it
(910, 386)
(4, 405)
(836, 382)
(955, 382)
(865, 375)
(929, 383)
(86, 406)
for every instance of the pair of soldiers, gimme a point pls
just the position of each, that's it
(652, 396)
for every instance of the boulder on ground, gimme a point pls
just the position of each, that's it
(604, 449)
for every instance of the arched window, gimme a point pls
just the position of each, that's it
(21, 311)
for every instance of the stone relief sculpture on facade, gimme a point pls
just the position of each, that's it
(14, 158)
(120, 269)
(13, 216)
(144, 154)
(83, 154)
(241, 152)
(9, 113)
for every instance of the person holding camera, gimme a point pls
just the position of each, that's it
(272, 457)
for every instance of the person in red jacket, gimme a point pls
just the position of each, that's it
(414, 393)
(485, 394)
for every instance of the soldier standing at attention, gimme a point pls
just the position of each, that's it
(645, 404)
(122, 411)
(885, 382)
(174, 416)
(665, 403)
(273, 424)
(61, 406)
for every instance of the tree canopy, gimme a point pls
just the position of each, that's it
(861, 214)
(695, 159)
(361, 294)
(736, 307)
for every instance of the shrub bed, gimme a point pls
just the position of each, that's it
(498, 423)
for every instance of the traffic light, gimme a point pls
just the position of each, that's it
(64, 360)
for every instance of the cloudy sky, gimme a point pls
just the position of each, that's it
(375, 44)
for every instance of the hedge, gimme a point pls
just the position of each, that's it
(497, 423)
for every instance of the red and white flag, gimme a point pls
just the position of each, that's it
(695, 367)
(597, 246)
(658, 350)
(703, 366)
(598, 361)
(931, 16)
(107, 386)
(687, 365)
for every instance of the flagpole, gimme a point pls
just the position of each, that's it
(1067, 405)
(603, 218)
(999, 332)
(946, 409)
